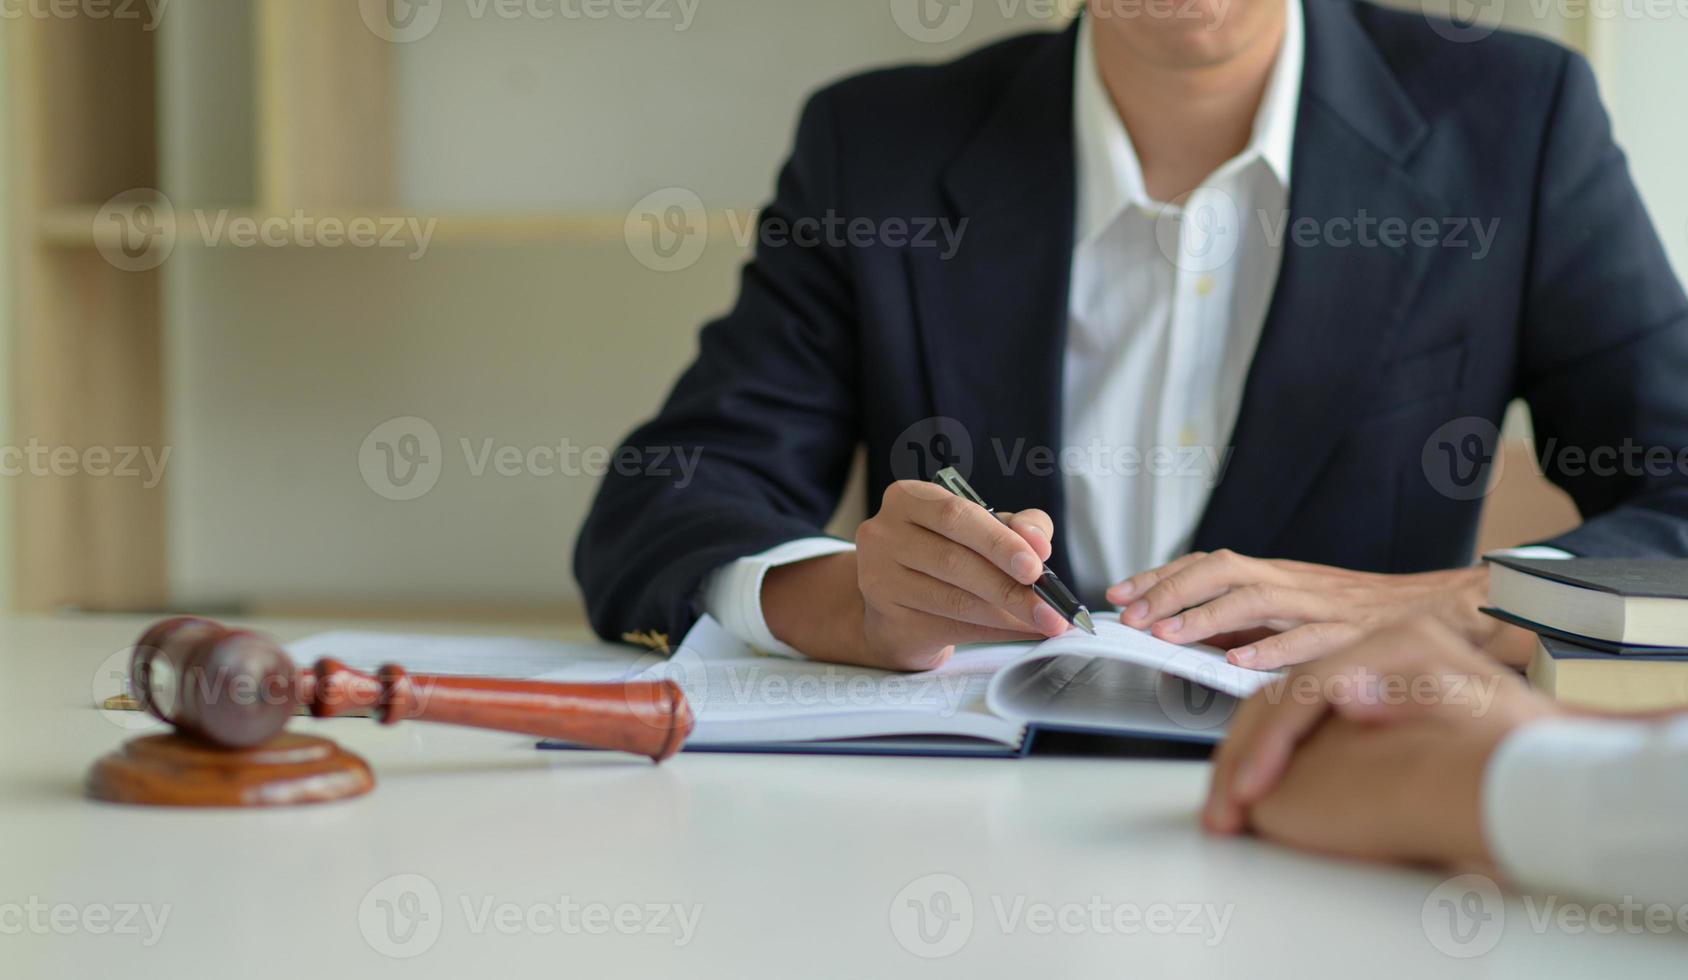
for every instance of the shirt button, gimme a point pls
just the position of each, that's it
(1204, 285)
(1189, 436)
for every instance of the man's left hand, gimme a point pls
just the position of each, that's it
(1267, 613)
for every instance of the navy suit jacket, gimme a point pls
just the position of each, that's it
(1379, 377)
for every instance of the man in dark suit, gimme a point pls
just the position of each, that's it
(1252, 279)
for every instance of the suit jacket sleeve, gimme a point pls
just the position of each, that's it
(1604, 352)
(768, 407)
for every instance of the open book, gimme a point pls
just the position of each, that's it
(989, 699)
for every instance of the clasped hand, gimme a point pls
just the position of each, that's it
(1377, 752)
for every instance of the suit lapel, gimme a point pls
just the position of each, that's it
(1339, 304)
(992, 317)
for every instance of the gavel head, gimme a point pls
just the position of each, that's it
(228, 687)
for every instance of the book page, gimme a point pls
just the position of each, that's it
(1197, 662)
(1124, 680)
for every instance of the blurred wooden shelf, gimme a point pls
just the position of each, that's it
(490, 613)
(86, 363)
(80, 226)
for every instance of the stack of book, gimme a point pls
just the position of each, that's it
(1613, 632)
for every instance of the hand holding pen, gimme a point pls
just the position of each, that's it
(930, 570)
(1048, 587)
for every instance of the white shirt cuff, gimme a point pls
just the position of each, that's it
(1591, 807)
(1531, 551)
(733, 593)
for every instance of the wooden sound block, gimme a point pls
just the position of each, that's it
(175, 770)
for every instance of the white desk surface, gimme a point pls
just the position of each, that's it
(793, 866)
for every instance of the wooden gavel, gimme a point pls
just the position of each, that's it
(237, 689)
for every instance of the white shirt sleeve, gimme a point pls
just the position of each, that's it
(1592, 807)
(733, 593)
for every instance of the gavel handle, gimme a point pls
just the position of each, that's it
(644, 717)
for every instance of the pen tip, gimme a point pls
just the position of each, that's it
(1082, 619)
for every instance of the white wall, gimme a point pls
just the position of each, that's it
(513, 114)
(1644, 75)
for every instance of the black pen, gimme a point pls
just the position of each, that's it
(1048, 587)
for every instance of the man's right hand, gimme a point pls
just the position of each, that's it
(930, 571)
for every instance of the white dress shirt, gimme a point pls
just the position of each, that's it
(1595, 809)
(1166, 305)
(1165, 311)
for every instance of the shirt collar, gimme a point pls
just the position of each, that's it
(1110, 177)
